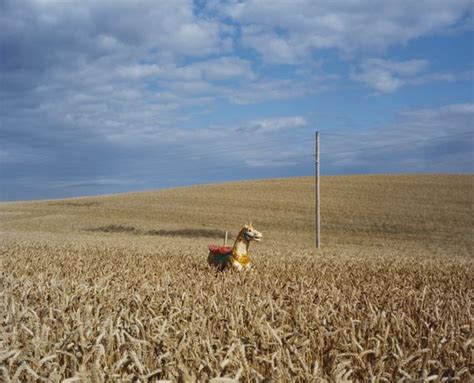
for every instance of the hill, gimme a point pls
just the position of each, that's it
(415, 209)
(116, 287)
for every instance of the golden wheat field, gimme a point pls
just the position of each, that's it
(117, 288)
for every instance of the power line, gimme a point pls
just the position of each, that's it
(378, 147)
(279, 151)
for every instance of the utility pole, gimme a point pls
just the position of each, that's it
(318, 199)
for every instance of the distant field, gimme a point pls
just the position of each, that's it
(117, 287)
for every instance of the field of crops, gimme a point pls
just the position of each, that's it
(117, 288)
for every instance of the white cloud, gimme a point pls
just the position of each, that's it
(52, 34)
(270, 125)
(222, 68)
(273, 48)
(137, 71)
(225, 68)
(288, 31)
(265, 89)
(258, 143)
(239, 138)
(388, 75)
(258, 129)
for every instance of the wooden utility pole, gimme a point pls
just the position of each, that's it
(318, 199)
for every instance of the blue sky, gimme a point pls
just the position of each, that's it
(110, 96)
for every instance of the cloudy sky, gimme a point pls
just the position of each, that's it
(106, 96)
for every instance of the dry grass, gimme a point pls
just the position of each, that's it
(117, 288)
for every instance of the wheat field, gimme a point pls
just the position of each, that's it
(116, 288)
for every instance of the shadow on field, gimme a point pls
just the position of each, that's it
(191, 233)
(116, 229)
(76, 204)
(186, 232)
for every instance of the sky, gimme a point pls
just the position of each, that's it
(110, 96)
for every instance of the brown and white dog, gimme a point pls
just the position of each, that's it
(238, 256)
